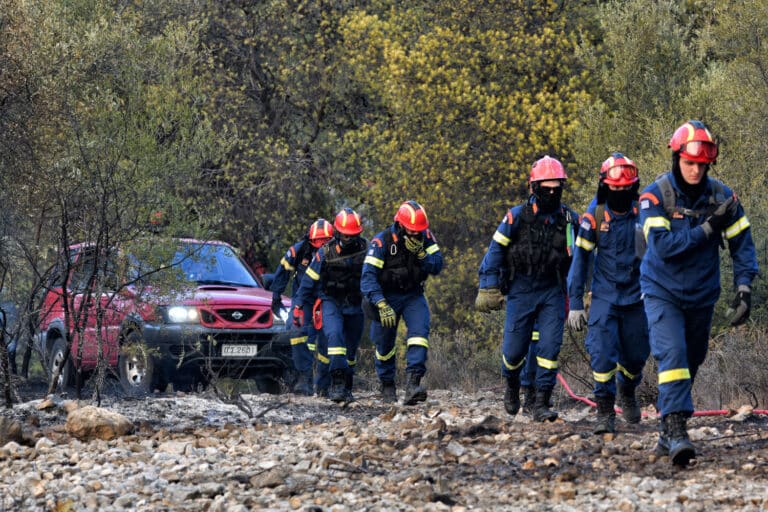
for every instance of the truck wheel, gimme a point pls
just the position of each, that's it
(66, 370)
(136, 367)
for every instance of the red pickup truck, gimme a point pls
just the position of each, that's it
(214, 319)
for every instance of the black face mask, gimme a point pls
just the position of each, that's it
(620, 201)
(548, 198)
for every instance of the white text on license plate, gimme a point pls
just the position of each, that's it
(239, 350)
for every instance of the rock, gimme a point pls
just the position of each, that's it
(10, 431)
(90, 422)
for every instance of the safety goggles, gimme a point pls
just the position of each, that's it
(622, 172)
(700, 149)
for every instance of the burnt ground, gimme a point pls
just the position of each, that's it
(462, 448)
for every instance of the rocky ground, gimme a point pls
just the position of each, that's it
(455, 452)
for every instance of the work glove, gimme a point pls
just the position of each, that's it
(277, 304)
(416, 246)
(298, 316)
(718, 220)
(741, 305)
(387, 315)
(489, 299)
(577, 319)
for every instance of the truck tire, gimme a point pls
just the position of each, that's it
(56, 362)
(136, 367)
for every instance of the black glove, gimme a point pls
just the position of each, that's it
(277, 304)
(741, 305)
(719, 219)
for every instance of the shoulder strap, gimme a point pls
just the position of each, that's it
(599, 214)
(667, 194)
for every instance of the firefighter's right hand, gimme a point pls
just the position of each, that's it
(719, 219)
(387, 315)
(577, 319)
(298, 316)
(277, 304)
(489, 299)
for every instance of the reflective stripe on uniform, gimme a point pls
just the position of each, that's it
(673, 375)
(603, 377)
(546, 363)
(416, 341)
(323, 359)
(535, 336)
(626, 373)
(509, 366)
(584, 244)
(287, 266)
(299, 340)
(376, 262)
(736, 228)
(312, 274)
(655, 222)
(352, 362)
(501, 239)
(337, 351)
(432, 249)
(387, 356)
(312, 347)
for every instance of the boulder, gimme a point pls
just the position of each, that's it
(90, 422)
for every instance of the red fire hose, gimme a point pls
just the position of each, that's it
(722, 412)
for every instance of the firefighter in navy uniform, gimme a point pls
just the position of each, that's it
(398, 262)
(534, 242)
(334, 278)
(617, 339)
(680, 273)
(306, 340)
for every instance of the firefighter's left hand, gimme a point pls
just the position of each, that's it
(741, 305)
(416, 246)
(489, 299)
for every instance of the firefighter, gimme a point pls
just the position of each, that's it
(397, 265)
(534, 242)
(305, 340)
(686, 217)
(334, 278)
(617, 338)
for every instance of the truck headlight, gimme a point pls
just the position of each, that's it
(182, 314)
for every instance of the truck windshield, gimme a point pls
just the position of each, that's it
(212, 264)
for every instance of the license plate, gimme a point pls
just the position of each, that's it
(239, 350)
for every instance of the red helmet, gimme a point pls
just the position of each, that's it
(619, 171)
(348, 222)
(694, 142)
(546, 169)
(411, 215)
(320, 232)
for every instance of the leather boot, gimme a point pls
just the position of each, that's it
(630, 408)
(414, 391)
(529, 399)
(304, 385)
(388, 392)
(606, 415)
(541, 410)
(512, 395)
(349, 379)
(662, 446)
(338, 392)
(681, 450)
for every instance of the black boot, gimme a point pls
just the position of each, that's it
(606, 415)
(529, 399)
(388, 392)
(541, 410)
(681, 450)
(630, 408)
(414, 391)
(304, 385)
(512, 395)
(349, 379)
(337, 392)
(662, 446)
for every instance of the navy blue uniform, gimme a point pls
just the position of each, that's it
(404, 292)
(680, 279)
(334, 277)
(534, 293)
(306, 341)
(617, 339)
